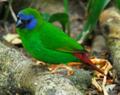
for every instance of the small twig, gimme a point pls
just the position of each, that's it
(12, 12)
(108, 67)
(7, 13)
(95, 83)
(103, 85)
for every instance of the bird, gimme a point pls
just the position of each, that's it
(46, 42)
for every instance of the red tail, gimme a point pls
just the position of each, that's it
(84, 58)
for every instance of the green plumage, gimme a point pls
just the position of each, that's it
(47, 42)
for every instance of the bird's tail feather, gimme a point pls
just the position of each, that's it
(84, 58)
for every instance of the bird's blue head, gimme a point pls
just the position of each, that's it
(27, 21)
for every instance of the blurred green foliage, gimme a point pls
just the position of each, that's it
(117, 3)
(66, 9)
(62, 18)
(94, 9)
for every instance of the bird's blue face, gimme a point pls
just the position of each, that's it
(26, 21)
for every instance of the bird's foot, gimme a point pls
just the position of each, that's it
(77, 65)
(54, 69)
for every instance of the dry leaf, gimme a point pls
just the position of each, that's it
(99, 80)
(12, 38)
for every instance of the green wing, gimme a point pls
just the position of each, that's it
(54, 38)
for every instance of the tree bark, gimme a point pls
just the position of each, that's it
(17, 71)
(110, 19)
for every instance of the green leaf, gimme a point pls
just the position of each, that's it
(66, 6)
(95, 7)
(117, 3)
(62, 18)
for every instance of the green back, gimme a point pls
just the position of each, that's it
(54, 38)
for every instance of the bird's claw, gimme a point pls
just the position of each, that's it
(54, 69)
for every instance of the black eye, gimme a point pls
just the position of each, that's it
(18, 18)
(29, 20)
(25, 22)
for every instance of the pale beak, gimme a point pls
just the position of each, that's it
(18, 23)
